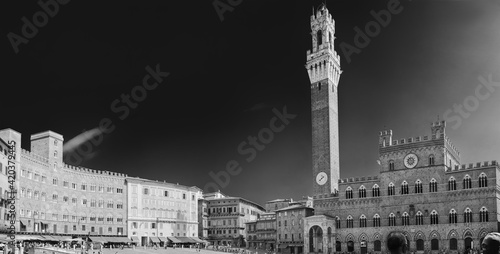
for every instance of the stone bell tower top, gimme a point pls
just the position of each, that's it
(323, 59)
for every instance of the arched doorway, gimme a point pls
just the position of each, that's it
(420, 244)
(434, 244)
(350, 246)
(468, 244)
(315, 239)
(453, 244)
(364, 247)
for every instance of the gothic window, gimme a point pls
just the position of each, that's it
(362, 191)
(349, 221)
(434, 217)
(452, 217)
(362, 221)
(348, 193)
(433, 185)
(431, 160)
(452, 184)
(467, 182)
(483, 180)
(405, 219)
(391, 165)
(404, 188)
(375, 191)
(390, 189)
(337, 220)
(418, 186)
(483, 214)
(467, 215)
(319, 38)
(376, 220)
(392, 220)
(419, 218)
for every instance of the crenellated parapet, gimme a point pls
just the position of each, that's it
(476, 165)
(93, 171)
(25, 154)
(322, 61)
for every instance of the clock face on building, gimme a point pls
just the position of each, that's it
(321, 178)
(411, 160)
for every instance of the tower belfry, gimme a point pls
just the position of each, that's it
(323, 67)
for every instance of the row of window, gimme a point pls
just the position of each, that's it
(222, 222)
(55, 198)
(154, 225)
(66, 184)
(285, 223)
(417, 188)
(222, 231)
(230, 210)
(44, 228)
(467, 217)
(146, 191)
(65, 217)
(291, 235)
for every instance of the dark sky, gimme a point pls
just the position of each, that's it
(226, 77)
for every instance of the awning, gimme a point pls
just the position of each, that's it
(174, 240)
(65, 238)
(283, 245)
(185, 239)
(24, 221)
(121, 239)
(162, 238)
(97, 239)
(48, 238)
(154, 239)
(197, 240)
(135, 239)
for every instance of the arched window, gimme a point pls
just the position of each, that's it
(375, 191)
(338, 246)
(319, 38)
(467, 182)
(468, 215)
(330, 40)
(452, 184)
(452, 216)
(405, 219)
(418, 186)
(376, 220)
(419, 218)
(434, 244)
(362, 221)
(349, 222)
(390, 189)
(337, 222)
(431, 160)
(377, 245)
(434, 217)
(392, 220)
(433, 185)
(404, 188)
(453, 244)
(420, 244)
(391, 165)
(483, 214)
(483, 180)
(362, 191)
(350, 246)
(348, 193)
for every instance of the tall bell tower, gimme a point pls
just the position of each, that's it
(323, 66)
